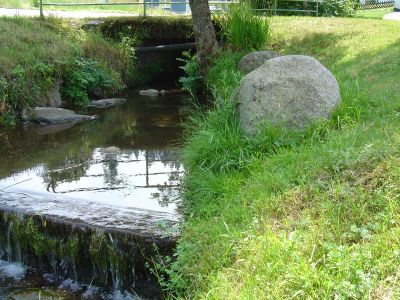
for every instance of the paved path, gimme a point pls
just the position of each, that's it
(394, 16)
(11, 12)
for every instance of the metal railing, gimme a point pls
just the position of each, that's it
(180, 7)
(373, 4)
(275, 8)
(175, 7)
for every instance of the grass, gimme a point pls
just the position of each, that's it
(35, 54)
(373, 13)
(311, 215)
(22, 46)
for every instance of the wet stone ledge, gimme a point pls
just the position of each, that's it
(117, 259)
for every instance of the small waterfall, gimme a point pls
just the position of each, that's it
(9, 248)
(110, 258)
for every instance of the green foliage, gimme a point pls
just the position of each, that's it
(191, 80)
(116, 56)
(245, 30)
(7, 117)
(83, 77)
(223, 76)
(336, 8)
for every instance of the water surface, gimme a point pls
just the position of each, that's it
(120, 170)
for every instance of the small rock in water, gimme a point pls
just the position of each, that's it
(111, 150)
(104, 103)
(149, 92)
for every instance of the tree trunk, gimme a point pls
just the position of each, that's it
(204, 33)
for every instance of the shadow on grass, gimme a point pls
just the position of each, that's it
(324, 46)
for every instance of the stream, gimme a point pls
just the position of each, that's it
(106, 189)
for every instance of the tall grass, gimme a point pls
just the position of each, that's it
(246, 30)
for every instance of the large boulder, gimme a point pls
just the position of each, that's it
(293, 91)
(253, 60)
(54, 116)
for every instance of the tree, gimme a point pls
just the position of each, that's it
(204, 33)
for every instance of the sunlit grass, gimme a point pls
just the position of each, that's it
(377, 13)
(299, 216)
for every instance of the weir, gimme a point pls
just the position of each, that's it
(106, 257)
(95, 203)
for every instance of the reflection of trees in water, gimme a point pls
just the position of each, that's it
(69, 173)
(169, 157)
(169, 192)
(110, 169)
(74, 166)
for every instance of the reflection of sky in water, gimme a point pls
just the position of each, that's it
(69, 172)
(143, 179)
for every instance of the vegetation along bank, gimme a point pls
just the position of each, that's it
(81, 60)
(297, 214)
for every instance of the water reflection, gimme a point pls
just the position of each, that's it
(75, 163)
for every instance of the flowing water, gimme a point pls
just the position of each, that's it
(119, 172)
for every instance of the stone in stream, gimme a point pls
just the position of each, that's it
(110, 150)
(255, 59)
(53, 116)
(293, 91)
(149, 92)
(104, 103)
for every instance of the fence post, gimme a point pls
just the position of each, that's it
(41, 8)
(317, 8)
(144, 8)
(275, 6)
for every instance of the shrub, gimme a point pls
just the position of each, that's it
(341, 8)
(84, 77)
(244, 29)
(191, 80)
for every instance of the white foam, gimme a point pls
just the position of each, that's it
(12, 270)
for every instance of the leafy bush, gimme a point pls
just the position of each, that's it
(244, 29)
(191, 80)
(83, 78)
(341, 8)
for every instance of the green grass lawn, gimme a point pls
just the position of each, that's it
(373, 13)
(310, 215)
